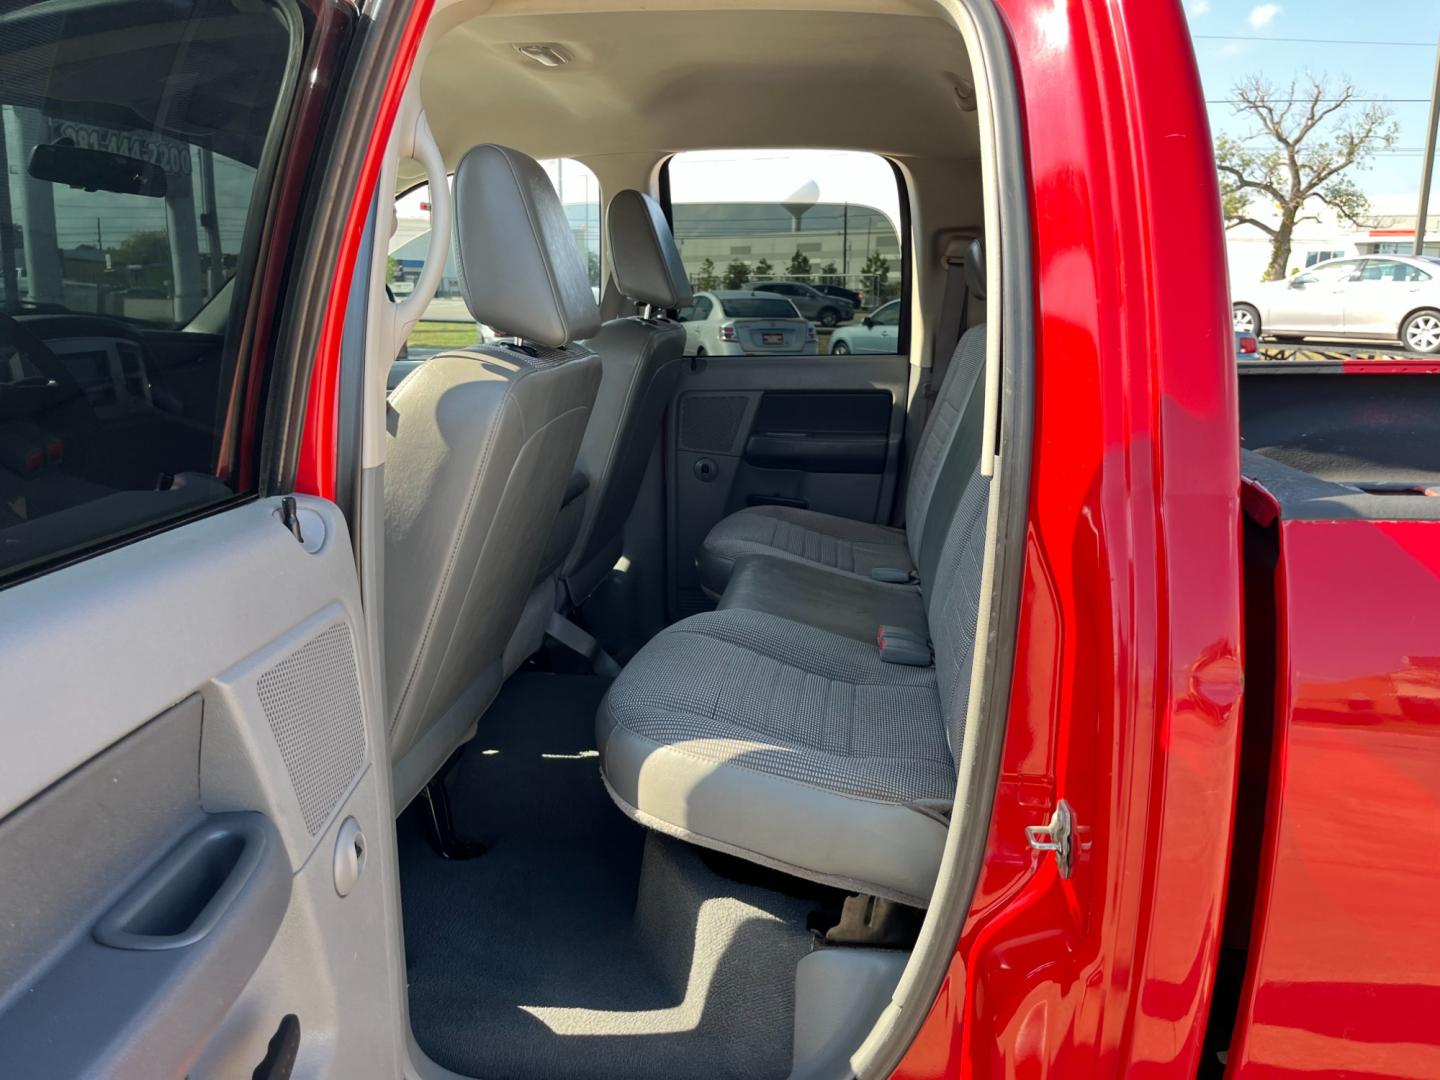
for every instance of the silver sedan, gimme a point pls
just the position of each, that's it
(1394, 296)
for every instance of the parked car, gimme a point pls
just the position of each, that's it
(878, 332)
(739, 322)
(811, 302)
(1394, 296)
(839, 292)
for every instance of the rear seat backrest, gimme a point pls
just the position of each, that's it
(953, 598)
(962, 399)
(949, 447)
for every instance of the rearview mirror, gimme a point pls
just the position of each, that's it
(869, 322)
(96, 170)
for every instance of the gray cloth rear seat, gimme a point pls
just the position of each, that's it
(855, 606)
(837, 603)
(804, 536)
(784, 738)
(854, 547)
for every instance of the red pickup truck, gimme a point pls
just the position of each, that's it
(1024, 690)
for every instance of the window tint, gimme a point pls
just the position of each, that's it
(787, 222)
(755, 307)
(446, 323)
(131, 136)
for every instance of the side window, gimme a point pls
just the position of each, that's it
(889, 315)
(1391, 271)
(132, 193)
(446, 323)
(761, 230)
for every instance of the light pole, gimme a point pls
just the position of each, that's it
(1429, 160)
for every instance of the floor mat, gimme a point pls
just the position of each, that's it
(553, 954)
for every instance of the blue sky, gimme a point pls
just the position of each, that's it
(1385, 47)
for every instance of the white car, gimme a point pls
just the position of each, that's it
(1391, 296)
(736, 322)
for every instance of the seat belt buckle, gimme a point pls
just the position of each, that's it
(899, 646)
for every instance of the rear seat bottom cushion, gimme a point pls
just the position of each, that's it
(839, 603)
(852, 547)
(789, 746)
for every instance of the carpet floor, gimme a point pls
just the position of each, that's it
(578, 944)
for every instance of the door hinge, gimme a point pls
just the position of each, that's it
(1057, 835)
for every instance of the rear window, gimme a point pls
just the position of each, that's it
(794, 222)
(755, 308)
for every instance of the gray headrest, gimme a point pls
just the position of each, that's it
(642, 250)
(518, 260)
(975, 269)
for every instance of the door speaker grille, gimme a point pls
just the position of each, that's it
(710, 421)
(311, 700)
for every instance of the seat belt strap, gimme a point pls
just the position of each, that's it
(954, 309)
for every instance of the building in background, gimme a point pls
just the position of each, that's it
(837, 239)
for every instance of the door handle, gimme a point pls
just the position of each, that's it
(192, 888)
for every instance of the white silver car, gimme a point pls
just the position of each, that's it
(1394, 296)
(736, 322)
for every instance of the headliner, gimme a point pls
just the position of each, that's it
(885, 79)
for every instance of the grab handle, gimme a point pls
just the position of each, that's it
(192, 888)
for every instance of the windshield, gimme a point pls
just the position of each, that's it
(755, 308)
(129, 203)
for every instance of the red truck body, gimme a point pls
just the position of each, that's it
(1343, 975)
(1126, 699)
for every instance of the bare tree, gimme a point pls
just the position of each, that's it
(1308, 138)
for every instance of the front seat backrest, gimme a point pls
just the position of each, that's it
(642, 368)
(481, 444)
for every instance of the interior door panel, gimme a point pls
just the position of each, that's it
(822, 433)
(179, 823)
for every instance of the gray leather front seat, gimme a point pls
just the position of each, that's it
(482, 443)
(642, 368)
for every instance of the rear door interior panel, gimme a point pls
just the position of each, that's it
(178, 842)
